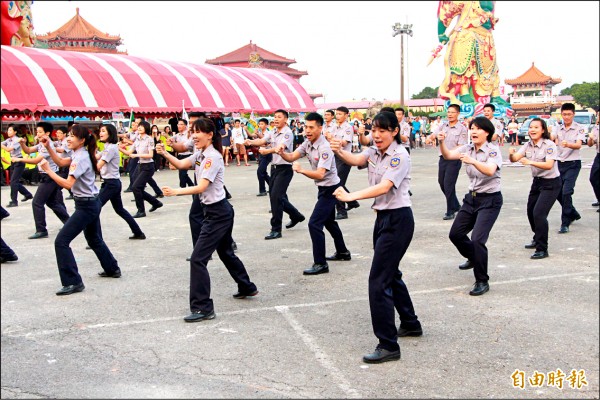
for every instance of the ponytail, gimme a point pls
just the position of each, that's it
(81, 132)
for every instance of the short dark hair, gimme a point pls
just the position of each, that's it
(387, 120)
(400, 109)
(343, 109)
(182, 120)
(490, 105)
(330, 111)
(455, 106)
(112, 133)
(485, 124)
(63, 129)
(387, 109)
(313, 116)
(142, 119)
(237, 120)
(567, 107)
(545, 132)
(285, 113)
(46, 126)
(146, 126)
(266, 121)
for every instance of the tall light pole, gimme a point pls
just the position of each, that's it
(400, 29)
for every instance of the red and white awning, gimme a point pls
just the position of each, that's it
(53, 80)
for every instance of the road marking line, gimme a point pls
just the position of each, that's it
(9, 331)
(322, 358)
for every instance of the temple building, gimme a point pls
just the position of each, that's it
(532, 93)
(79, 35)
(253, 56)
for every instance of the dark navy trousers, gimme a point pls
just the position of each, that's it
(111, 190)
(144, 174)
(196, 218)
(542, 196)
(132, 169)
(569, 171)
(323, 215)
(184, 179)
(281, 176)
(215, 235)
(478, 214)
(392, 234)
(50, 194)
(448, 171)
(261, 172)
(16, 186)
(594, 176)
(86, 218)
(343, 170)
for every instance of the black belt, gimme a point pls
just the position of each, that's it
(545, 179)
(275, 166)
(476, 194)
(77, 198)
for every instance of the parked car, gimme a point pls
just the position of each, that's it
(524, 136)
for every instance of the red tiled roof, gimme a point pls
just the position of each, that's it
(243, 53)
(78, 28)
(533, 75)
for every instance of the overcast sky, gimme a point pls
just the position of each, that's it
(346, 47)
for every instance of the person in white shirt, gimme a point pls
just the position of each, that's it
(239, 136)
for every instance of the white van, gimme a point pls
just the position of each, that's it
(586, 119)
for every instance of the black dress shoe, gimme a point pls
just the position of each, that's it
(346, 256)
(9, 258)
(240, 295)
(156, 207)
(530, 245)
(197, 316)
(448, 216)
(139, 215)
(353, 204)
(132, 200)
(27, 198)
(66, 290)
(69, 197)
(381, 355)
(233, 246)
(341, 216)
(260, 194)
(577, 217)
(563, 229)
(273, 235)
(596, 204)
(479, 288)
(141, 236)
(293, 223)
(410, 332)
(466, 265)
(116, 274)
(159, 196)
(317, 269)
(39, 235)
(128, 190)
(11, 204)
(539, 255)
(88, 247)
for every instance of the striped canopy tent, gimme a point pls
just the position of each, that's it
(41, 80)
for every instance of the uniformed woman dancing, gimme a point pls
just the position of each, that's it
(216, 230)
(86, 218)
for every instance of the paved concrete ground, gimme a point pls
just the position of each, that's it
(302, 337)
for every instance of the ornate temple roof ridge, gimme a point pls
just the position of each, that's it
(243, 53)
(79, 28)
(533, 75)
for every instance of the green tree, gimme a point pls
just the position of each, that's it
(586, 94)
(427, 93)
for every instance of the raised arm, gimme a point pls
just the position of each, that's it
(446, 153)
(184, 163)
(357, 160)
(61, 162)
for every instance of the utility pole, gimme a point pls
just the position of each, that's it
(400, 29)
